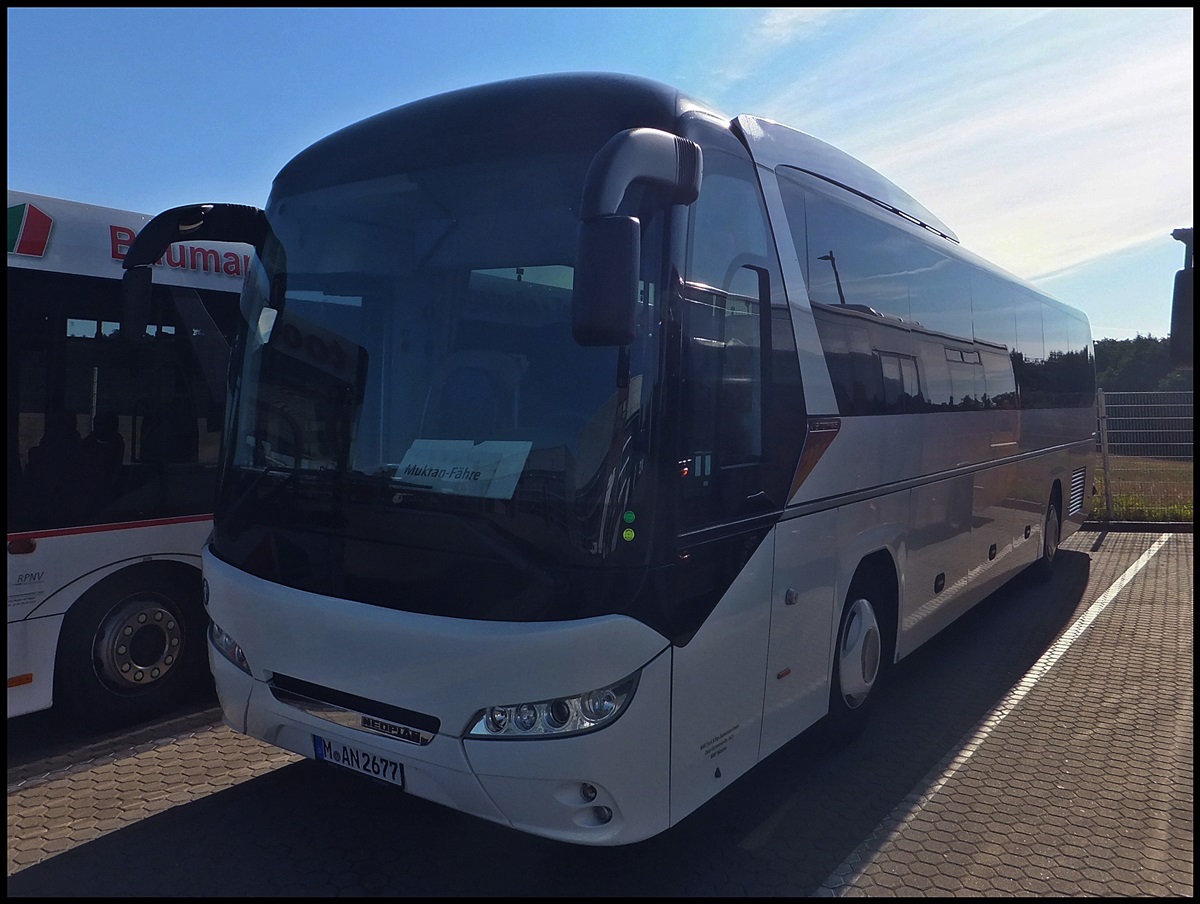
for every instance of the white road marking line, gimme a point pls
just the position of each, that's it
(853, 866)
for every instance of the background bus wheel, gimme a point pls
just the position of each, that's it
(133, 647)
(1051, 534)
(857, 664)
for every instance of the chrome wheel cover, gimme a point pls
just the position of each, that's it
(859, 651)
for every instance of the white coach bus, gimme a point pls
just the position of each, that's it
(586, 446)
(113, 441)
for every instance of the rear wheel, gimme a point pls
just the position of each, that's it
(133, 648)
(1051, 535)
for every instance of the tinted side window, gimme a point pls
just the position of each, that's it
(105, 426)
(725, 325)
(853, 258)
(853, 361)
(939, 290)
(722, 316)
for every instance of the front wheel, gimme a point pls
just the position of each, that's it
(858, 661)
(132, 648)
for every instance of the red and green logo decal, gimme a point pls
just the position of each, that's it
(28, 230)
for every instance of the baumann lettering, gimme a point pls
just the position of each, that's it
(181, 256)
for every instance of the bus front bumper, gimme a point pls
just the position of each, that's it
(608, 787)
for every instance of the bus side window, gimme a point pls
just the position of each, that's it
(723, 356)
(901, 387)
(53, 471)
(165, 430)
(102, 454)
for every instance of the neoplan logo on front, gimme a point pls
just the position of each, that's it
(403, 732)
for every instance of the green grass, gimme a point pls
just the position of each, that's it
(1146, 489)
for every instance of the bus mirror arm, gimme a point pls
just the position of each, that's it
(667, 161)
(208, 222)
(608, 261)
(135, 301)
(194, 222)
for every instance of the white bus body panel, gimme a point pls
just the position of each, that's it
(451, 669)
(803, 617)
(31, 648)
(939, 543)
(535, 785)
(64, 565)
(717, 689)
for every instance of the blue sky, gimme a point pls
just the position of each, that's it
(1056, 142)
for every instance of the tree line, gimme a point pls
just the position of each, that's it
(1142, 364)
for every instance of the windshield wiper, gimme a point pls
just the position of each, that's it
(290, 473)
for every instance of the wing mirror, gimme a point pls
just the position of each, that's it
(608, 261)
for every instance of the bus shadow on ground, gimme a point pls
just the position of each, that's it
(782, 829)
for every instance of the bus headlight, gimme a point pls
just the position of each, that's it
(556, 718)
(228, 647)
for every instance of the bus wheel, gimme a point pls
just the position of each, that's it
(858, 658)
(133, 647)
(1051, 534)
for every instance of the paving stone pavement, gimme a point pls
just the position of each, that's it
(1079, 782)
(71, 799)
(1093, 794)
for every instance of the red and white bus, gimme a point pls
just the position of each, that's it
(114, 425)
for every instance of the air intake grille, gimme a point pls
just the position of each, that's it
(1077, 480)
(361, 705)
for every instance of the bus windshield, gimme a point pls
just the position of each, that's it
(406, 352)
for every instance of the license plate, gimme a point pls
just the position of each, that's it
(359, 760)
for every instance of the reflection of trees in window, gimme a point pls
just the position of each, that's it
(901, 385)
(936, 371)
(977, 339)
(1066, 376)
(881, 366)
(1063, 380)
(966, 373)
(854, 367)
(1000, 385)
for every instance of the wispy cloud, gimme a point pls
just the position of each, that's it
(770, 33)
(1049, 173)
(1044, 138)
(785, 26)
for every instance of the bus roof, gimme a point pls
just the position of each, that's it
(579, 109)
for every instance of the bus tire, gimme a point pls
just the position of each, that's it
(132, 648)
(858, 663)
(1043, 568)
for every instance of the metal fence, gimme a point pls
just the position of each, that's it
(1146, 457)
